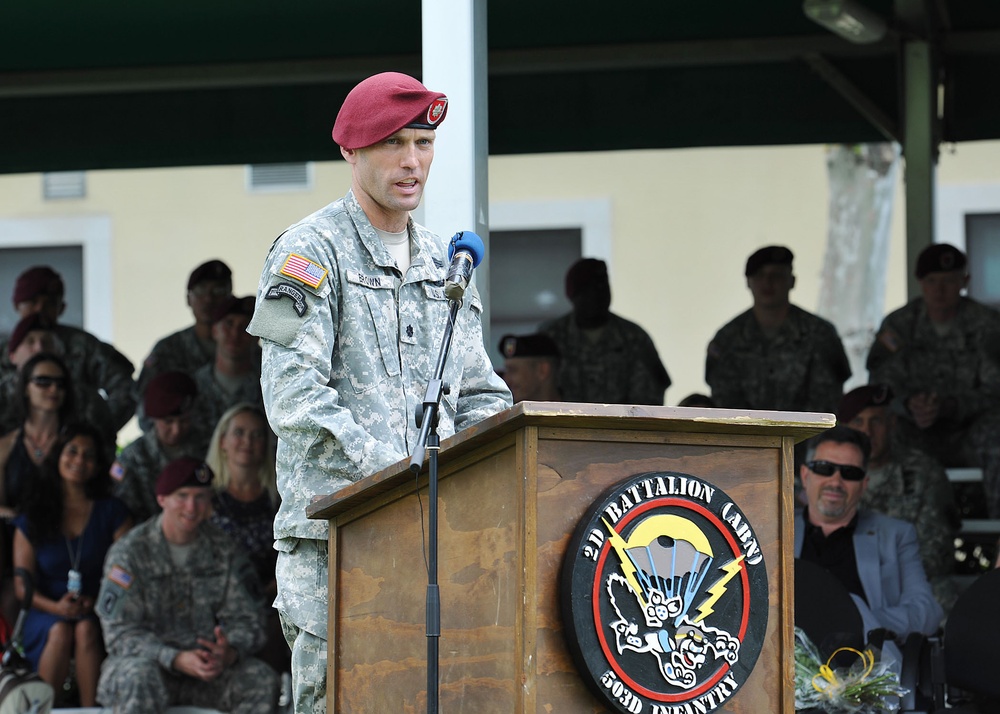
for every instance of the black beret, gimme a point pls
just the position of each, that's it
(939, 258)
(769, 255)
(181, 473)
(169, 394)
(383, 104)
(536, 345)
(857, 400)
(212, 270)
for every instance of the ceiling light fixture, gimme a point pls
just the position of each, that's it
(847, 18)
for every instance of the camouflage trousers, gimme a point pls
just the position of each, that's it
(302, 575)
(976, 443)
(138, 685)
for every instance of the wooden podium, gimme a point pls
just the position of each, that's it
(512, 490)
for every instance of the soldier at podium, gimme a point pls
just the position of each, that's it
(350, 311)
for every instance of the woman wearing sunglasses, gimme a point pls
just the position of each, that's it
(45, 404)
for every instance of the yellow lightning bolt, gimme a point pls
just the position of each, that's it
(718, 589)
(619, 544)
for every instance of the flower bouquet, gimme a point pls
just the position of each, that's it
(866, 687)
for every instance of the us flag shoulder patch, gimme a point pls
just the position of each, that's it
(120, 576)
(303, 270)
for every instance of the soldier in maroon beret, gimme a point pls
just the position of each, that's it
(350, 309)
(96, 366)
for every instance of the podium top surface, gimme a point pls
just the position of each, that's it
(799, 425)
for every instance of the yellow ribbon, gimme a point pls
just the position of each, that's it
(833, 683)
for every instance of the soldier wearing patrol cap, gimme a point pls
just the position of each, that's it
(350, 312)
(531, 367)
(181, 611)
(776, 356)
(940, 353)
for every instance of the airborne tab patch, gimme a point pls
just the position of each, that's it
(303, 270)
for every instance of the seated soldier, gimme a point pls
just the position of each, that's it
(180, 610)
(233, 376)
(776, 356)
(531, 367)
(876, 557)
(94, 364)
(908, 484)
(168, 402)
(209, 286)
(940, 353)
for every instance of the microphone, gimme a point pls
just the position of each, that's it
(465, 253)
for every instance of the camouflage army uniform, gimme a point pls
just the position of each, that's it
(151, 610)
(619, 367)
(213, 401)
(802, 368)
(99, 365)
(963, 365)
(915, 488)
(180, 352)
(136, 469)
(93, 365)
(348, 348)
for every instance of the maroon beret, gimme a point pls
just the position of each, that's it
(40, 280)
(536, 345)
(583, 272)
(382, 105)
(939, 258)
(857, 400)
(234, 306)
(169, 394)
(181, 473)
(769, 255)
(212, 270)
(21, 330)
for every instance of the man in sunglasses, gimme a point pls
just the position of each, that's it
(876, 557)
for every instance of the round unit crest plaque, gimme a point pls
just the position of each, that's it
(664, 595)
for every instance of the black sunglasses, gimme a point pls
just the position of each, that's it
(44, 381)
(828, 468)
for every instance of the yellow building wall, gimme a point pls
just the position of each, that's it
(684, 222)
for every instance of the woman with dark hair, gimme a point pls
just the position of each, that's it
(68, 522)
(44, 405)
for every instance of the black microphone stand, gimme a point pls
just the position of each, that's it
(429, 440)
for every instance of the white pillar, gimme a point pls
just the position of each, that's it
(454, 62)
